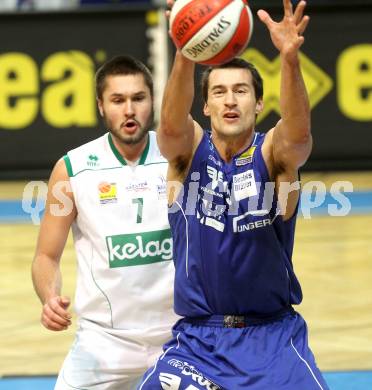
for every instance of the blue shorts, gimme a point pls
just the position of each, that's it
(270, 356)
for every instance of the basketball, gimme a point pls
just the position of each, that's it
(211, 32)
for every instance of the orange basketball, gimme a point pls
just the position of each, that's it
(211, 32)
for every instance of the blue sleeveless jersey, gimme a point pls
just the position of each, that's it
(232, 249)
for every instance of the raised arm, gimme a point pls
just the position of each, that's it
(178, 134)
(46, 275)
(290, 140)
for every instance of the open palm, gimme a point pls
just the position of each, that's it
(286, 35)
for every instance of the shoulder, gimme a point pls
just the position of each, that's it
(91, 145)
(60, 171)
(93, 155)
(59, 181)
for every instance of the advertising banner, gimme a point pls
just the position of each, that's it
(337, 67)
(47, 67)
(48, 62)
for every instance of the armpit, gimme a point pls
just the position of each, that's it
(181, 164)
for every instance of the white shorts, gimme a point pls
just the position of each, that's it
(99, 360)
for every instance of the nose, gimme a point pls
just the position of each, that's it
(230, 99)
(129, 108)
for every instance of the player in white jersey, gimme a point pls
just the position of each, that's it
(112, 193)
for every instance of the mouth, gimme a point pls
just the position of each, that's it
(231, 116)
(130, 126)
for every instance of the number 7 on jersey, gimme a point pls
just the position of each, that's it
(139, 203)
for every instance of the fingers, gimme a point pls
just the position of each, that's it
(288, 8)
(54, 315)
(65, 302)
(170, 3)
(298, 14)
(300, 42)
(265, 18)
(300, 20)
(301, 27)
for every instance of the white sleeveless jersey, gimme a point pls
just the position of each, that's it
(122, 237)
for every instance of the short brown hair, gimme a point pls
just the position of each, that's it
(122, 65)
(235, 63)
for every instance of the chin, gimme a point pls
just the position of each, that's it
(230, 131)
(135, 138)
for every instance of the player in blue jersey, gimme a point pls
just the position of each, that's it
(233, 222)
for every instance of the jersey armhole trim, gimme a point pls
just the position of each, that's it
(295, 213)
(67, 161)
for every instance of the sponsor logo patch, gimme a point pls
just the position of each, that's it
(161, 187)
(93, 161)
(252, 220)
(107, 192)
(246, 157)
(138, 187)
(189, 370)
(244, 185)
(127, 250)
(212, 158)
(215, 175)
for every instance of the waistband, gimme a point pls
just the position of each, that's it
(239, 321)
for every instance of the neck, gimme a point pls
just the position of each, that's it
(230, 146)
(130, 152)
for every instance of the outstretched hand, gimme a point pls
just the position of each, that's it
(286, 35)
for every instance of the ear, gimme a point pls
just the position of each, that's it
(100, 106)
(259, 106)
(206, 110)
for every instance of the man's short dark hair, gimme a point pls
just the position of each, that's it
(235, 63)
(122, 65)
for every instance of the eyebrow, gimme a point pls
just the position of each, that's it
(234, 85)
(135, 94)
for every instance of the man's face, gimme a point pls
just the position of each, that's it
(231, 103)
(127, 107)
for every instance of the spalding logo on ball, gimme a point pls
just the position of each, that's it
(211, 32)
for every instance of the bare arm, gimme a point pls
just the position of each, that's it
(291, 138)
(54, 229)
(288, 144)
(178, 135)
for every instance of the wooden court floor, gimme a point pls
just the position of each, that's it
(333, 260)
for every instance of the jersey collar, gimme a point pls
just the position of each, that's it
(121, 158)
